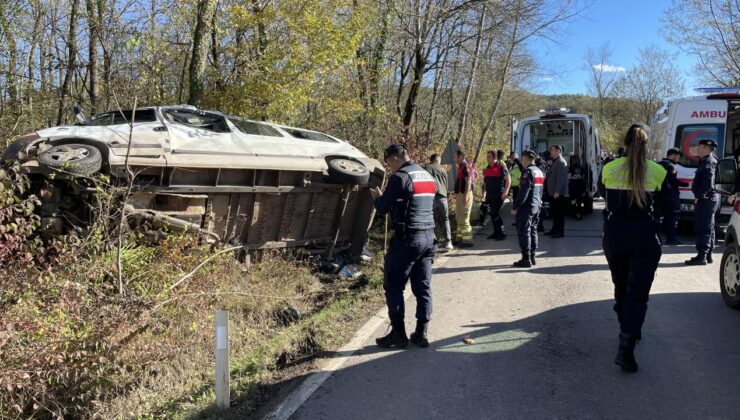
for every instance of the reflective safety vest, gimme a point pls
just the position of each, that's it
(622, 215)
(415, 209)
(516, 175)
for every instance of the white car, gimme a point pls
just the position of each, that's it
(260, 184)
(729, 271)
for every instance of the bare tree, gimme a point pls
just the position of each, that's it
(471, 78)
(526, 19)
(422, 21)
(710, 31)
(93, 26)
(71, 59)
(604, 75)
(650, 82)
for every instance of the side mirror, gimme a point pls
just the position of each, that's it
(726, 176)
(79, 115)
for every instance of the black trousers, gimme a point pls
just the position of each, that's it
(558, 207)
(633, 261)
(527, 219)
(704, 224)
(410, 257)
(494, 209)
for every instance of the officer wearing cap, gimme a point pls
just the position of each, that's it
(670, 201)
(526, 208)
(706, 202)
(409, 198)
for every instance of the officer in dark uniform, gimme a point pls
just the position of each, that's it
(496, 183)
(526, 208)
(631, 236)
(670, 201)
(409, 198)
(706, 203)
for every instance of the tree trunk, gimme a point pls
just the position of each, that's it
(107, 53)
(71, 60)
(471, 81)
(92, 54)
(439, 71)
(420, 62)
(12, 67)
(204, 18)
(403, 69)
(504, 74)
(215, 47)
(376, 71)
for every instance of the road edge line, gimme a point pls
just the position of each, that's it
(305, 390)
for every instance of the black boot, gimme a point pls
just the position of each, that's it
(396, 338)
(709, 258)
(419, 337)
(626, 353)
(700, 259)
(525, 262)
(532, 257)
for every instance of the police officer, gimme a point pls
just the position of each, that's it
(409, 198)
(496, 182)
(670, 201)
(526, 208)
(631, 237)
(706, 202)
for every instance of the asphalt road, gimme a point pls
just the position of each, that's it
(545, 340)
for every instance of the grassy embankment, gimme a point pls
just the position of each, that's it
(72, 346)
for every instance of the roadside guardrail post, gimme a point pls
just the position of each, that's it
(223, 397)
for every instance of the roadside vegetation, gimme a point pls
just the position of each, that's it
(74, 344)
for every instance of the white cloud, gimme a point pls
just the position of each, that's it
(547, 79)
(608, 68)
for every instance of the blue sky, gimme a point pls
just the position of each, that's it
(627, 25)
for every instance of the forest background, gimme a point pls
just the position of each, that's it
(370, 72)
(100, 324)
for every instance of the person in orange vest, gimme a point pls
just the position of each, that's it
(496, 181)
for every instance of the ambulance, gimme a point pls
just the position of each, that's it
(714, 114)
(575, 133)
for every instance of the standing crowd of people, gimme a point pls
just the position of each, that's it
(639, 195)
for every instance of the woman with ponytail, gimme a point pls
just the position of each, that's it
(631, 236)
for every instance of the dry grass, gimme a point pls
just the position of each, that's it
(71, 347)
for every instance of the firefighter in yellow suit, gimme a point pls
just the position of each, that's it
(463, 200)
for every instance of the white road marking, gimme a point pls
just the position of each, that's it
(305, 390)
